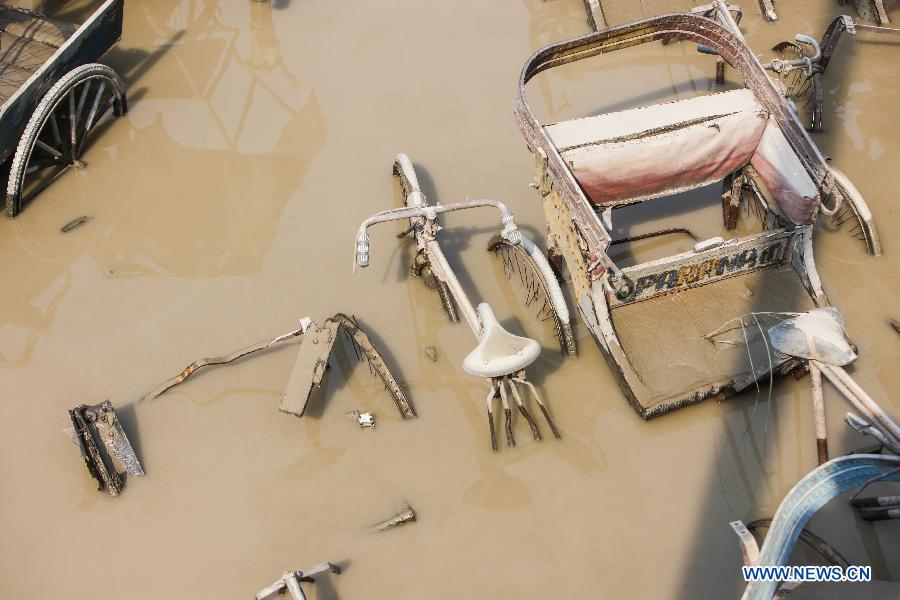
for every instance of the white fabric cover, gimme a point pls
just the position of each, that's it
(783, 173)
(665, 148)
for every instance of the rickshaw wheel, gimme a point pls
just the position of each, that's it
(56, 135)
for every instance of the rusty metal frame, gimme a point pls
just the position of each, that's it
(577, 230)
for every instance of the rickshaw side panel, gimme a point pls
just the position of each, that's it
(692, 269)
(89, 42)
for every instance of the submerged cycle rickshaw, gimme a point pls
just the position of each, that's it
(660, 323)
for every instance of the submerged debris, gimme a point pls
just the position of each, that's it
(312, 362)
(305, 324)
(365, 420)
(871, 10)
(804, 500)
(432, 353)
(895, 325)
(104, 446)
(818, 336)
(820, 546)
(75, 223)
(768, 10)
(401, 518)
(290, 582)
(309, 368)
(596, 18)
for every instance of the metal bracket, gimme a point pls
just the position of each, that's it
(290, 582)
(749, 547)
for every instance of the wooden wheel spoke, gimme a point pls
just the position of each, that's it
(49, 149)
(37, 165)
(81, 101)
(54, 129)
(104, 108)
(44, 183)
(73, 124)
(98, 110)
(95, 106)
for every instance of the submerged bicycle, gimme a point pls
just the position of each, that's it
(500, 357)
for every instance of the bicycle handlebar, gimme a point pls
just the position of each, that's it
(509, 232)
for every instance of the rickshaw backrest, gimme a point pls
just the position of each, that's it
(659, 150)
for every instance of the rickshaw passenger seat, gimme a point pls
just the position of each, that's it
(659, 150)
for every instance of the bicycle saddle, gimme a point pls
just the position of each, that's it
(499, 352)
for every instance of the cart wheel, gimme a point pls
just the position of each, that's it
(56, 134)
(409, 183)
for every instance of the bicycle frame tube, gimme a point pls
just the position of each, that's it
(439, 263)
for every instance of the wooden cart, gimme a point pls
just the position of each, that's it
(53, 93)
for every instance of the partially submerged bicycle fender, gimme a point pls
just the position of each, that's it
(104, 446)
(312, 362)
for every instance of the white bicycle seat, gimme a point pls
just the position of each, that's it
(499, 352)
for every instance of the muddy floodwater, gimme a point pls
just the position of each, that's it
(223, 209)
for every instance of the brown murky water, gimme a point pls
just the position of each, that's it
(224, 208)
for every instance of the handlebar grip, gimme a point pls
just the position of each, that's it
(805, 39)
(362, 251)
(703, 49)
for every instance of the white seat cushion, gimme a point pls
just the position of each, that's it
(659, 150)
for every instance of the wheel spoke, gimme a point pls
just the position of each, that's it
(54, 128)
(100, 113)
(49, 149)
(40, 164)
(72, 124)
(82, 100)
(43, 184)
(96, 104)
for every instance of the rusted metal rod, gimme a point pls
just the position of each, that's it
(520, 378)
(490, 412)
(535, 432)
(305, 324)
(880, 513)
(507, 414)
(876, 501)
